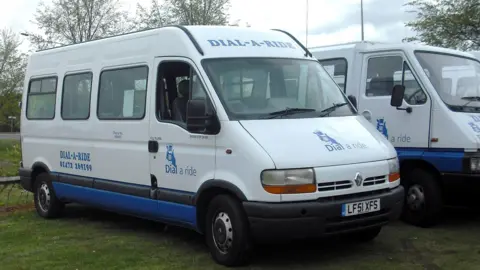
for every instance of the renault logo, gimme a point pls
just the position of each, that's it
(358, 179)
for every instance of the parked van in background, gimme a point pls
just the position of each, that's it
(236, 133)
(426, 101)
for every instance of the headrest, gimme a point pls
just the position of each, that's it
(184, 88)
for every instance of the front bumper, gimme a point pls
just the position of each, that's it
(321, 217)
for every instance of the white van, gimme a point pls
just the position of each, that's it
(434, 122)
(236, 133)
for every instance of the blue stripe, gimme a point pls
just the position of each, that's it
(444, 160)
(120, 182)
(133, 205)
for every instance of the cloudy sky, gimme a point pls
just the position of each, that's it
(329, 21)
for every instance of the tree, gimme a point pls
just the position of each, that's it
(183, 12)
(74, 21)
(12, 72)
(157, 15)
(446, 23)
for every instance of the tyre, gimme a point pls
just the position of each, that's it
(366, 235)
(227, 231)
(423, 199)
(46, 203)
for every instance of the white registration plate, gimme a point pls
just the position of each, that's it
(358, 208)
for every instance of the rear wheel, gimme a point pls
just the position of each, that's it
(46, 203)
(227, 231)
(423, 199)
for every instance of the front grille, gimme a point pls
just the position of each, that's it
(336, 185)
(377, 180)
(354, 195)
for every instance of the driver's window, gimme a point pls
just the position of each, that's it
(414, 94)
(384, 72)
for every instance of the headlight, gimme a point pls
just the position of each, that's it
(289, 181)
(394, 170)
(475, 165)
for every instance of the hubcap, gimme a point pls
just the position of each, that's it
(222, 232)
(44, 197)
(415, 197)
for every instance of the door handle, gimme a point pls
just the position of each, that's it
(152, 146)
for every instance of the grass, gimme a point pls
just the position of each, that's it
(10, 155)
(86, 238)
(13, 196)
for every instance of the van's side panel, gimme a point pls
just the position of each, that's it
(101, 162)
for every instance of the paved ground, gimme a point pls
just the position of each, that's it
(9, 136)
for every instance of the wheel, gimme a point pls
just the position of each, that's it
(46, 203)
(227, 231)
(423, 199)
(366, 235)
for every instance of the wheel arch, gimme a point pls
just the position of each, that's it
(207, 191)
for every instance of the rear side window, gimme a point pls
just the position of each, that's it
(41, 98)
(76, 96)
(122, 93)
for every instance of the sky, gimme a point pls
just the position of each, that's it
(329, 21)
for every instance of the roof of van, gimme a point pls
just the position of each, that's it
(207, 41)
(369, 46)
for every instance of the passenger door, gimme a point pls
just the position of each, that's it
(183, 159)
(403, 128)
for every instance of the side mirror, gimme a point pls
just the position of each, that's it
(396, 99)
(198, 119)
(353, 100)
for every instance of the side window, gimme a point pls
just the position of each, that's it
(122, 93)
(76, 96)
(41, 98)
(414, 94)
(337, 68)
(380, 75)
(181, 84)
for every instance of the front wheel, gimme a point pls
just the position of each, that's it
(227, 231)
(423, 199)
(46, 203)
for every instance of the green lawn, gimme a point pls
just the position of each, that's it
(86, 238)
(10, 155)
(92, 239)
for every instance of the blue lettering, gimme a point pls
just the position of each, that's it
(240, 43)
(170, 169)
(222, 42)
(334, 147)
(213, 42)
(231, 43)
(269, 44)
(190, 171)
(275, 44)
(254, 43)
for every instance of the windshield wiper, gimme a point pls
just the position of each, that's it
(470, 99)
(329, 110)
(289, 111)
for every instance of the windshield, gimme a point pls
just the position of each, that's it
(456, 79)
(257, 88)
